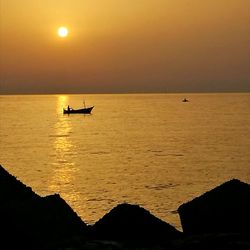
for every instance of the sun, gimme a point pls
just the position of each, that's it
(62, 32)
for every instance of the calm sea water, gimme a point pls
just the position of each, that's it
(147, 149)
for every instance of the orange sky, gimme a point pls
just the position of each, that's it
(124, 46)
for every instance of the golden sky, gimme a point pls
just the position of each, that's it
(124, 46)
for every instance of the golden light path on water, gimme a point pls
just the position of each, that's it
(64, 169)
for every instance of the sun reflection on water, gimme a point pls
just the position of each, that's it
(64, 169)
(62, 101)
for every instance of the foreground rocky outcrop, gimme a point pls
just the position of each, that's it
(33, 222)
(224, 209)
(128, 222)
(13, 189)
(217, 220)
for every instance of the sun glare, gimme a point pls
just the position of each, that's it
(62, 32)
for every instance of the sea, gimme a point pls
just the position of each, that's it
(152, 150)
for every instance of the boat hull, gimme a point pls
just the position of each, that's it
(78, 111)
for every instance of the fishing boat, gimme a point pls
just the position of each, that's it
(78, 111)
(85, 110)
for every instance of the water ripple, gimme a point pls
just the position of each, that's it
(99, 199)
(100, 153)
(57, 136)
(161, 186)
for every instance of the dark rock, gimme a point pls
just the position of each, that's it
(225, 208)
(35, 222)
(133, 223)
(13, 189)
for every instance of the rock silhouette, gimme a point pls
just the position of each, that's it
(224, 209)
(13, 189)
(31, 221)
(128, 222)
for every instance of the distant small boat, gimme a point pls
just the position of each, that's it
(85, 110)
(185, 100)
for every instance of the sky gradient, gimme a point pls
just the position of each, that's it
(119, 46)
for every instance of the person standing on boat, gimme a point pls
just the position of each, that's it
(68, 108)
